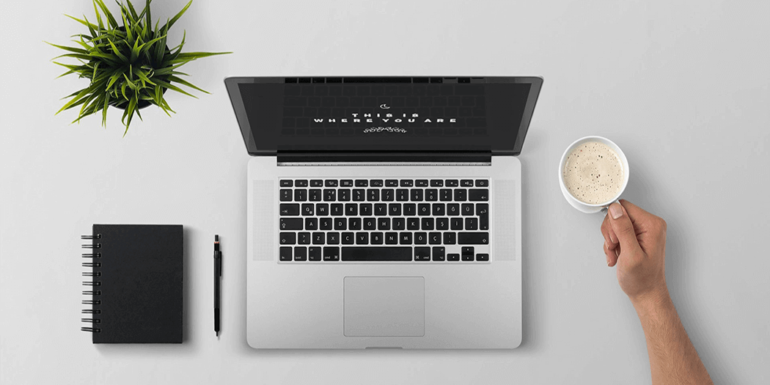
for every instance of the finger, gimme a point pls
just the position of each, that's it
(609, 235)
(609, 254)
(634, 212)
(623, 228)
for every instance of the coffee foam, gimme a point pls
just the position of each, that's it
(593, 173)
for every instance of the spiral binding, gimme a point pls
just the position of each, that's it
(93, 320)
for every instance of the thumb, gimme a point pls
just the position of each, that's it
(623, 228)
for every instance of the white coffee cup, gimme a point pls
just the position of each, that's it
(577, 203)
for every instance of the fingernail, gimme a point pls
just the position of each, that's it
(616, 211)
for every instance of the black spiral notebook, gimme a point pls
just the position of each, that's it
(135, 283)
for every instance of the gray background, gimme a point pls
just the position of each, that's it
(682, 87)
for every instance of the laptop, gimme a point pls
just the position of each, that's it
(383, 212)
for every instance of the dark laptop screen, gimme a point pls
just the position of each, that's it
(383, 114)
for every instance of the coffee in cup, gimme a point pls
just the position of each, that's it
(593, 173)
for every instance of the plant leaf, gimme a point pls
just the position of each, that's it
(116, 51)
(178, 15)
(173, 87)
(107, 13)
(71, 49)
(186, 83)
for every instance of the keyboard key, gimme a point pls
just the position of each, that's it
(450, 238)
(376, 238)
(319, 238)
(387, 194)
(291, 223)
(315, 195)
(343, 195)
(287, 183)
(453, 257)
(482, 183)
(461, 195)
(407, 183)
(394, 209)
(473, 238)
(391, 183)
(308, 209)
(416, 195)
(467, 209)
(420, 238)
(438, 253)
(330, 195)
(376, 182)
(482, 257)
(399, 224)
(331, 183)
(289, 209)
(421, 183)
(391, 238)
(370, 223)
(452, 183)
(436, 183)
(402, 195)
(311, 223)
(362, 238)
(285, 254)
(301, 182)
(471, 223)
(300, 253)
(346, 183)
(423, 209)
(442, 223)
(431, 195)
(434, 238)
(340, 223)
(467, 253)
(314, 254)
(466, 183)
(413, 223)
(331, 253)
(316, 183)
(456, 223)
(376, 254)
(453, 209)
(406, 238)
(303, 238)
(285, 195)
(300, 195)
(332, 238)
(337, 209)
(348, 238)
(427, 224)
(354, 223)
(365, 209)
(383, 224)
(422, 253)
(380, 209)
(410, 209)
(478, 194)
(359, 195)
(438, 209)
(326, 223)
(351, 209)
(322, 209)
(287, 238)
(373, 195)
(445, 195)
(362, 183)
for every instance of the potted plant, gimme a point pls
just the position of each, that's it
(129, 66)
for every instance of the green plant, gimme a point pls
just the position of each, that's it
(129, 66)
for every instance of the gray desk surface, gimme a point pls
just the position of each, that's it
(682, 87)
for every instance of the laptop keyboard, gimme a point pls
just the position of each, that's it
(384, 220)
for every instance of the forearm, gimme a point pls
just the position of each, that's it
(673, 359)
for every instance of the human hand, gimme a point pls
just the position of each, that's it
(635, 241)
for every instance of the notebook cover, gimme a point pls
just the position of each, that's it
(141, 283)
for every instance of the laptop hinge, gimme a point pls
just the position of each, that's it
(412, 157)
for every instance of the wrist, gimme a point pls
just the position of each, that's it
(651, 300)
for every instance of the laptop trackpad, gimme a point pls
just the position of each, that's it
(384, 306)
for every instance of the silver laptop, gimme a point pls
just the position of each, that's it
(384, 212)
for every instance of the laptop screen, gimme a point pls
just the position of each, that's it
(390, 114)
